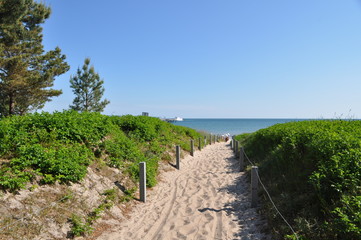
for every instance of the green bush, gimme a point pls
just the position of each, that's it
(313, 170)
(60, 146)
(78, 227)
(13, 179)
(120, 149)
(141, 128)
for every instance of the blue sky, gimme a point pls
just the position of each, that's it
(213, 58)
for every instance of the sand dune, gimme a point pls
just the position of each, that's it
(208, 198)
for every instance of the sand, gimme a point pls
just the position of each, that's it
(208, 198)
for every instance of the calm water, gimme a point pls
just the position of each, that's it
(232, 126)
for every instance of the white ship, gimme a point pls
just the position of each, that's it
(177, 119)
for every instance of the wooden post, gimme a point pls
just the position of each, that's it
(237, 153)
(200, 144)
(177, 153)
(142, 182)
(254, 186)
(192, 148)
(234, 144)
(205, 140)
(210, 139)
(241, 159)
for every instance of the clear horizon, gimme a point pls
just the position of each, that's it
(214, 59)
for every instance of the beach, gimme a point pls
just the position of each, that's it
(208, 198)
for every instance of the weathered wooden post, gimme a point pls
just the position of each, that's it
(205, 140)
(254, 186)
(200, 144)
(241, 159)
(234, 144)
(192, 148)
(142, 182)
(237, 153)
(177, 153)
(210, 139)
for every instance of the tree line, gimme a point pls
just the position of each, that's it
(27, 72)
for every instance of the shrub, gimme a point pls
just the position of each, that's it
(60, 146)
(78, 227)
(120, 149)
(313, 170)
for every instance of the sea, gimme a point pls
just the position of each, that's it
(233, 126)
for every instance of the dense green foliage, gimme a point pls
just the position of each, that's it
(27, 72)
(59, 146)
(313, 171)
(88, 89)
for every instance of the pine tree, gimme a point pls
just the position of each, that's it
(88, 88)
(27, 73)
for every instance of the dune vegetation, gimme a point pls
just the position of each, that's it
(58, 147)
(43, 155)
(312, 170)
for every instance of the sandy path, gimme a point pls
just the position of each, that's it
(208, 198)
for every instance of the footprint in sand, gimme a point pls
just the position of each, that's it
(208, 198)
(209, 217)
(181, 236)
(205, 195)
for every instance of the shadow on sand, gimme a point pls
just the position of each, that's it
(251, 225)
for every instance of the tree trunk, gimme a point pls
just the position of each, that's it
(11, 104)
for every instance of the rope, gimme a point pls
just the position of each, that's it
(252, 163)
(270, 198)
(274, 205)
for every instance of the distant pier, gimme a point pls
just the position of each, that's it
(175, 119)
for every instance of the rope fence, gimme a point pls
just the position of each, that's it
(142, 182)
(255, 173)
(239, 153)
